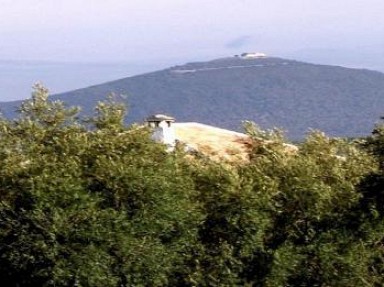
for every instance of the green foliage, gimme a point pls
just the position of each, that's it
(109, 115)
(106, 207)
(313, 194)
(97, 203)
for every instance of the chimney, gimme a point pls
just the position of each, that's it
(163, 130)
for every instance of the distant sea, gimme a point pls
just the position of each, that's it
(18, 77)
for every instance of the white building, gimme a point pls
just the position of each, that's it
(253, 55)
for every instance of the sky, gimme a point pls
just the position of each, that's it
(147, 35)
(174, 30)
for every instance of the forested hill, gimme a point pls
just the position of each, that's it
(292, 95)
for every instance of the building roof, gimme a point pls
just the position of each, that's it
(220, 144)
(160, 118)
(214, 142)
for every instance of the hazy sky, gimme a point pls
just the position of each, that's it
(173, 30)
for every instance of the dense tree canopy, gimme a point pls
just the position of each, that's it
(96, 203)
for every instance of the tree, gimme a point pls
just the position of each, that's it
(98, 203)
(313, 193)
(99, 207)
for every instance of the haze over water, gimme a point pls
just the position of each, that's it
(18, 77)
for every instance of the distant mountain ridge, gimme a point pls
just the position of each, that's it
(292, 95)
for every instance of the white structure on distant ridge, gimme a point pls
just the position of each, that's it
(253, 55)
(163, 130)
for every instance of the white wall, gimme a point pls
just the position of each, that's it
(164, 134)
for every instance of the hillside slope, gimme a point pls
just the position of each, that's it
(292, 95)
